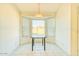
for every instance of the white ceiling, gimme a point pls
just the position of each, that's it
(33, 7)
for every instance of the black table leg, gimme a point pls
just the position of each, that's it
(44, 44)
(42, 41)
(32, 43)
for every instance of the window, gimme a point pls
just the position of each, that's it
(38, 28)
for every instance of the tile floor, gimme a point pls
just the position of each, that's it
(26, 50)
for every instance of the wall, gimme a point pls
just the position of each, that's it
(78, 35)
(63, 29)
(9, 28)
(74, 28)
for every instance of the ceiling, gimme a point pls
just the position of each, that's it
(32, 8)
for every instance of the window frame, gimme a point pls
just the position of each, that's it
(41, 20)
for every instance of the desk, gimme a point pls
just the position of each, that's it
(39, 37)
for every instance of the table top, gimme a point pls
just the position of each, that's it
(38, 36)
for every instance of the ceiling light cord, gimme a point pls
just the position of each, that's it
(39, 8)
(39, 11)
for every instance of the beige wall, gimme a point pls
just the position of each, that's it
(78, 33)
(63, 28)
(9, 28)
(74, 27)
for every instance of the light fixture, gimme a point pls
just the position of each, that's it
(39, 13)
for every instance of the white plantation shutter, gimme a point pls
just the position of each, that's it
(26, 27)
(51, 27)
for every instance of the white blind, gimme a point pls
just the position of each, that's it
(51, 27)
(26, 27)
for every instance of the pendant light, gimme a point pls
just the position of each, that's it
(39, 13)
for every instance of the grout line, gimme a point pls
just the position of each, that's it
(61, 49)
